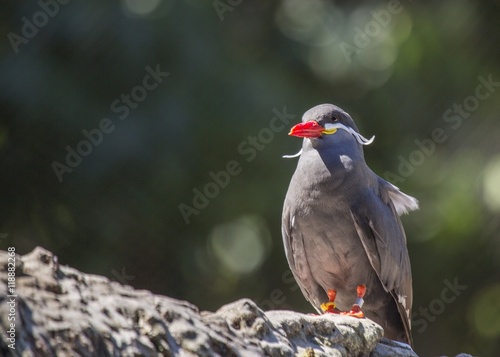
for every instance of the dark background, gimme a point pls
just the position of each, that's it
(117, 213)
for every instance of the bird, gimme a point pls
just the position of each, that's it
(343, 237)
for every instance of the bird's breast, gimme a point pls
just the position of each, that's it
(319, 199)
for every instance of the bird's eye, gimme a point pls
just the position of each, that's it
(328, 119)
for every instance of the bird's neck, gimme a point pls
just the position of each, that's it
(331, 166)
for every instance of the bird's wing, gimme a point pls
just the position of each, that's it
(297, 259)
(381, 232)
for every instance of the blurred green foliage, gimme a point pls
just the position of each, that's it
(117, 212)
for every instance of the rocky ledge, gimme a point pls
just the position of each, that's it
(59, 311)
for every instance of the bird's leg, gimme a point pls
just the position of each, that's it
(358, 303)
(330, 305)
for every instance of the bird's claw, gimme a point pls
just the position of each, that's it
(355, 312)
(329, 307)
(356, 307)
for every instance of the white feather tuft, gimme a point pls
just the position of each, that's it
(402, 202)
(292, 156)
(360, 138)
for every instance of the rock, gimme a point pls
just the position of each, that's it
(61, 311)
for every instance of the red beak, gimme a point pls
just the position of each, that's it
(310, 129)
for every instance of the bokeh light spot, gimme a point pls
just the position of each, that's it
(361, 45)
(241, 246)
(379, 57)
(491, 184)
(486, 311)
(307, 22)
(140, 7)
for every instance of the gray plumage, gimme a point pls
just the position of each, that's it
(341, 228)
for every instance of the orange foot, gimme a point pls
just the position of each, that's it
(358, 303)
(330, 307)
